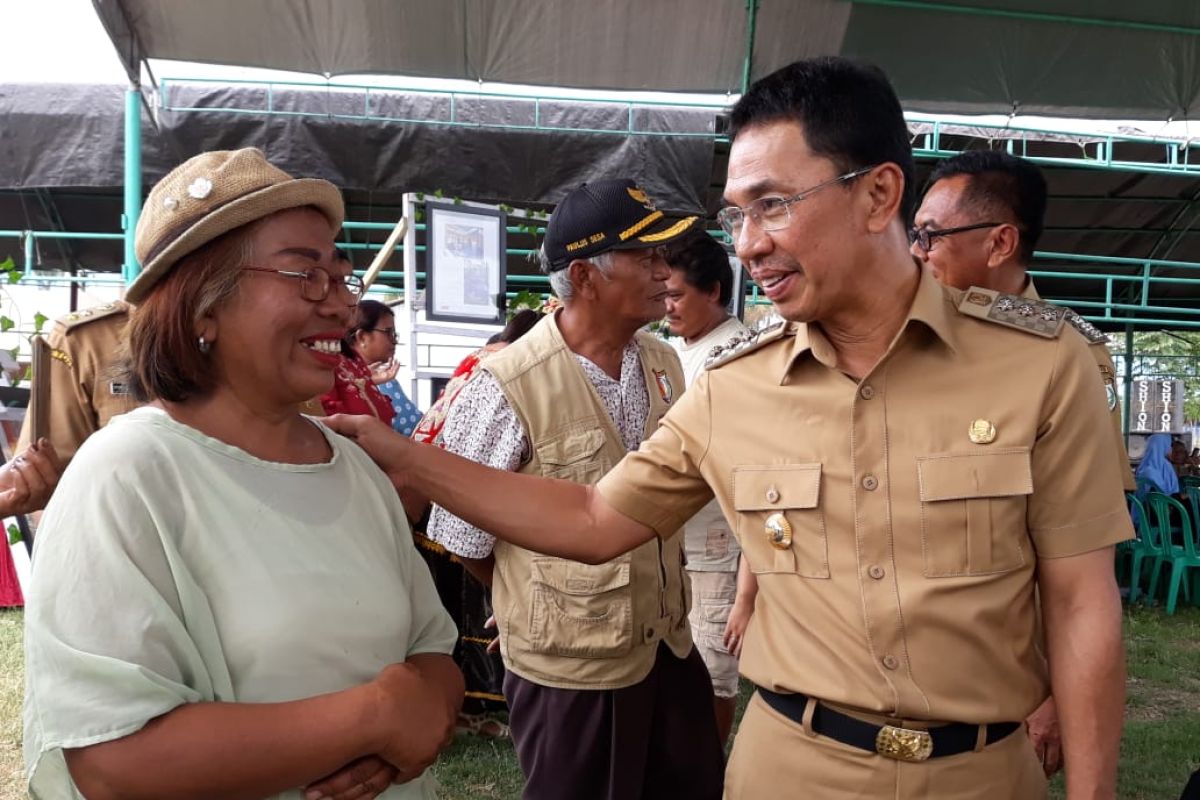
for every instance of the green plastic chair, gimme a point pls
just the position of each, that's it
(1179, 548)
(1124, 555)
(1145, 548)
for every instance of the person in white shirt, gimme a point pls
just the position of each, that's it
(698, 294)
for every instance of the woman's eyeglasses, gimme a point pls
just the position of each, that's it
(390, 333)
(316, 283)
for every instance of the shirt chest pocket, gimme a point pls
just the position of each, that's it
(973, 512)
(573, 456)
(780, 522)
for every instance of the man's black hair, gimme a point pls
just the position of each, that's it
(848, 111)
(999, 183)
(704, 263)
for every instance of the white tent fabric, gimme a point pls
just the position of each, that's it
(1083, 58)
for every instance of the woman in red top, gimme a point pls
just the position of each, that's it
(354, 390)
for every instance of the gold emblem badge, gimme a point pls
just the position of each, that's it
(779, 531)
(979, 299)
(640, 196)
(982, 432)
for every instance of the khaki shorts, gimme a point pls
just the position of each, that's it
(712, 600)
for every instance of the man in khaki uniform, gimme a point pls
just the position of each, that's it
(905, 465)
(978, 225)
(84, 396)
(608, 699)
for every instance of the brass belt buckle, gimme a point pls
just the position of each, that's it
(903, 744)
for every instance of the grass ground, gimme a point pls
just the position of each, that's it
(12, 689)
(1160, 748)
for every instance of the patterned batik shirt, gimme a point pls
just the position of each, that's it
(483, 427)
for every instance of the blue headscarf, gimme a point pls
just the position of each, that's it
(1155, 469)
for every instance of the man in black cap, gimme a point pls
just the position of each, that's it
(608, 698)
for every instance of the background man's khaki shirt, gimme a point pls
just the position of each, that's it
(1108, 374)
(908, 587)
(84, 395)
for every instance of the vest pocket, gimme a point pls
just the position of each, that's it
(973, 511)
(580, 610)
(770, 497)
(573, 456)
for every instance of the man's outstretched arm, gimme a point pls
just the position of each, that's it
(550, 516)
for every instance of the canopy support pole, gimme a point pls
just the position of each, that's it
(751, 22)
(133, 179)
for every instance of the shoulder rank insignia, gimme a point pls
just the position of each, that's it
(1032, 316)
(59, 355)
(1090, 332)
(87, 315)
(743, 343)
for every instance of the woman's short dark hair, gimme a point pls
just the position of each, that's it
(162, 358)
(849, 113)
(366, 318)
(703, 262)
(521, 323)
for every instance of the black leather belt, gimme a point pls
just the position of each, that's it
(902, 744)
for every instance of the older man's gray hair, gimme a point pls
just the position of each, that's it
(560, 280)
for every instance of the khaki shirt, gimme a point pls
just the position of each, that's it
(1108, 374)
(908, 586)
(83, 393)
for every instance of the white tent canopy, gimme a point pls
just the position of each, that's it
(1080, 58)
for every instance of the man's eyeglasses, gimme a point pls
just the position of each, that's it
(315, 283)
(924, 238)
(390, 333)
(774, 213)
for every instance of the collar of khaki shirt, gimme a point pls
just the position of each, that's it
(932, 307)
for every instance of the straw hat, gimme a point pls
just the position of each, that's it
(211, 194)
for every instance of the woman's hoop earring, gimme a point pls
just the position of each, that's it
(204, 345)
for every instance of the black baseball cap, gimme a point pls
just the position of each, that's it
(607, 215)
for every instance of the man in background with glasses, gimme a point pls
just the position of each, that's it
(962, 250)
(902, 472)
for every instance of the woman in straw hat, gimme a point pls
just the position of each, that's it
(226, 600)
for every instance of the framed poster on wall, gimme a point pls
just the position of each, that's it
(464, 264)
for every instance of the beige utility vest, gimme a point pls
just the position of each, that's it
(563, 623)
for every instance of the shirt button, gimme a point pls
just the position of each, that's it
(891, 662)
(875, 571)
(772, 495)
(870, 483)
(867, 391)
